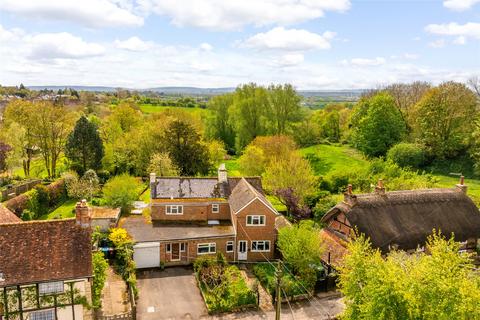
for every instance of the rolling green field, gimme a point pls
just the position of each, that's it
(149, 108)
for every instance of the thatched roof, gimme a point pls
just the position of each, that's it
(406, 218)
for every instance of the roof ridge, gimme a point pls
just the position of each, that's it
(36, 222)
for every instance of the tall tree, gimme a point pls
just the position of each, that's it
(377, 125)
(444, 119)
(184, 147)
(52, 126)
(84, 146)
(249, 108)
(284, 107)
(219, 126)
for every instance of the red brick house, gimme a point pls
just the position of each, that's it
(48, 265)
(192, 217)
(400, 219)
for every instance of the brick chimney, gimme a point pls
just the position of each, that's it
(349, 197)
(222, 173)
(83, 214)
(153, 181)
(380, 189)
(461, 186)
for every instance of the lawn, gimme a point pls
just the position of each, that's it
(233, 167)
(328, 158)
(37, 168)
(62, 212)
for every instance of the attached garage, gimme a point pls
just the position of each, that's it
(147, 254)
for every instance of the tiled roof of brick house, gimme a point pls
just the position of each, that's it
(7, 216)
(243, 194)
(38, 251)
(194, 187)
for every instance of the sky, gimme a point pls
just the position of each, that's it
(312, 44)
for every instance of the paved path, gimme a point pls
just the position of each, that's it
(114, 294)
(322, 307)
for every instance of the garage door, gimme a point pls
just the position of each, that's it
(147, 254)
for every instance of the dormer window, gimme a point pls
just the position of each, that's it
(215, 208)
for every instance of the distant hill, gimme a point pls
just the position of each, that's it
(205, 91)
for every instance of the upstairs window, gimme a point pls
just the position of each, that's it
(255, 220)
(173, 209)
(51, 287)
(215, 208)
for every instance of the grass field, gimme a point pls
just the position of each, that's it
(148, 108)
(64, 211)
(37, 168)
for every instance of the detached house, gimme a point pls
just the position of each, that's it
(45, 267)
(401, 219)
(191, 217)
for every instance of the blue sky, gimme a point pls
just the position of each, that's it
(313, 44)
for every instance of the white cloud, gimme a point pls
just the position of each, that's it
(440, 43)
(206, 47)
(459, 5)
(410, 56)
(470, 29)
(235, 14)
(62, 46)
(134, 44)
(280, 38)
(290, 59)
(364, 62)
(460, 40)
(89, 13)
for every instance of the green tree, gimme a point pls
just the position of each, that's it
(252, 162)
(184, 147)
(300, 245)
(440, 285)
(248, 113)
(162, 165)
(377, 125)
(84, 146)
(283, 108)
(407, 155)
(219, 125)
(293, 172)
(121, 191)
(216, 151)
(445, 119)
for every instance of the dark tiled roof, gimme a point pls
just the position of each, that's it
(7, 216)
(184, 187)
(243, 193)
(142, 231)
(406, 218)
(39, 251)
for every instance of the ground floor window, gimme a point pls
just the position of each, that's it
(205, 248)
(168, 247)
(51, 287)
(229, 246)
(43, 315)
(182, 247)
(260, 245)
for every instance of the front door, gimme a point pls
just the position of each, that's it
(176, 251)
(242, 250)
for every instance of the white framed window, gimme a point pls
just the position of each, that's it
(229, 247)
(215, 208)
(206, 248)
(255, 220)
(182, 247)
(261, 246)
(51, 287)
(168, 247)
(174, 209)
(42, 315)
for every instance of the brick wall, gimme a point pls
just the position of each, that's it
(201, 211)
(249, 233)
(340, 223)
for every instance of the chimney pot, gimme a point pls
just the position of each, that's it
(82, 214)
(222, 173)
(380, 189)
(461, 186)
(349, 197)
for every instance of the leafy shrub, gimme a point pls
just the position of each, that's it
(124, 263)
(407, 155)
(121, 191)
(100, 266)
(323, 206)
